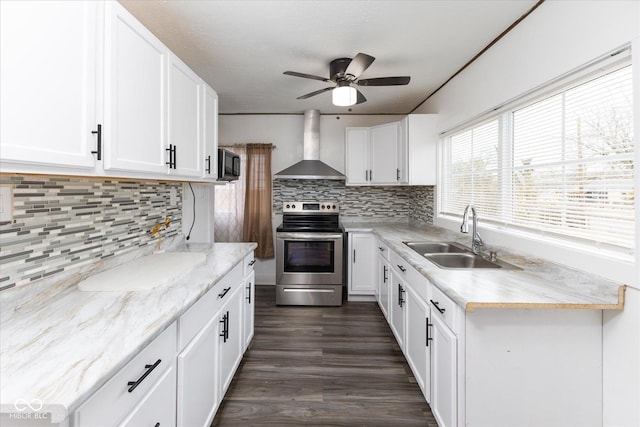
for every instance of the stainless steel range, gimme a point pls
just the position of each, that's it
(309, 254)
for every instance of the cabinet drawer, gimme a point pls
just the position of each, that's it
(249, 260)
(409, 274)
(197, 316)
(382, 249)
(156, 408)
(443, 307)
(113, 401)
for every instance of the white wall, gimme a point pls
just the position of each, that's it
(285, 132)
(556, 38)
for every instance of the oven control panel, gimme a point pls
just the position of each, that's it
(310, 207)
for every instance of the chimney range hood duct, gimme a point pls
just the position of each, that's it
(310, 167)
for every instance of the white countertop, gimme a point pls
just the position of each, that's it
(59, 344)
(541, 284)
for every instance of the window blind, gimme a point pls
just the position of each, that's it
(562, 164)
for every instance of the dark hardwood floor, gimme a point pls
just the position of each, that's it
(322, 366)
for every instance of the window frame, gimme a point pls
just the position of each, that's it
(594, 257)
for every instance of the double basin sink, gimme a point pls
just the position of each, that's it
(454, 256)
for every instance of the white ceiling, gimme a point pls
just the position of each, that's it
(241, 48)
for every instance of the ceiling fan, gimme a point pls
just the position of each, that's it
(344, 72)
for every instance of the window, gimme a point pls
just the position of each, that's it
(561, 164)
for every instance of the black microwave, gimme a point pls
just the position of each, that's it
(228, 165)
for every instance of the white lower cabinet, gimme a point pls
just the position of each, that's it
(211, 343)
(230, 338)
(361, 261)
(198, 394)
(135, 391)
(418, 341)
(384, 277)
(496, 367)
(154, 410)
(444, 376)
(396, 307)
(181, 377)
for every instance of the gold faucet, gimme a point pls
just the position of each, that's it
(157, 230)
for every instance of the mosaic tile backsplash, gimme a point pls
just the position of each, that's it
(401, 202)
(60, 223)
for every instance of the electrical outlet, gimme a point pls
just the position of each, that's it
(6, 204)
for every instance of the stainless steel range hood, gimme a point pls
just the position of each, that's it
(310, 167)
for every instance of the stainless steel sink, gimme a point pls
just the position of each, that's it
(451, 255)
(466, 260)
(435, 247)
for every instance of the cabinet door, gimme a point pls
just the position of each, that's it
(384, 154)
(248, 309)
(443, 374)
(357, 156)
(418, 342)
(231, 342)
(135, 95)
(185, 132)
(156, 408)
(210, 133)
(396, 308)
(198, 394)
(384, 285)
(361, 265)
(49, 56)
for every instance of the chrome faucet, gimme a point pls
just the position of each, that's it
(476, 241)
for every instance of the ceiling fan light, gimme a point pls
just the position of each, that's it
(344, 96)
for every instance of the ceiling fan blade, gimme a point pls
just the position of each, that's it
(385, 81)
(306, 76)
(358, 64)
(317, 92)
(361, 98)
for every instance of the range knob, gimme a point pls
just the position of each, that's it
(293, 206)
(323, 207)
(288, 206)
(334, 207)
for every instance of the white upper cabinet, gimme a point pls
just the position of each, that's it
(371, 155)
(185, 116)
(210, 133)
(135, 95)
(417, 149)
(357, 156)
(384, 154)
(88, 90)
(49, 59)
(398, 153)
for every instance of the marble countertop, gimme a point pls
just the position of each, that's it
(540, 283)
(59, 344)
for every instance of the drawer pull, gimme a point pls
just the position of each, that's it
(157, 425)
(253, 261)
(225, 327)
(435, 304)
(402, 268)
(223, 293)
(381, 249)
(133, 384)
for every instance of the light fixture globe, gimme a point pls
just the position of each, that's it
(344, 96)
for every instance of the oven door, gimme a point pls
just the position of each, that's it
(309, 258)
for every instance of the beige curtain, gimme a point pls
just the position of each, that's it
(257, 204)
(229, 203)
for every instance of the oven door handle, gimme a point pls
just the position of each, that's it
(308, 236)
